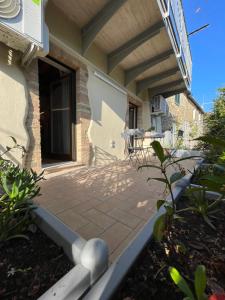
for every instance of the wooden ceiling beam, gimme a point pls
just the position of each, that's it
(135, 71)
(174, 92)
(147, 82)
(94, 26)
(162, 89)
(115, 57)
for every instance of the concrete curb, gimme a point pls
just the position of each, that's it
(208, 193)
(109, 282)
(185, 153)
(89, 257)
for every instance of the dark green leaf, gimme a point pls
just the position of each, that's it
(157, 179)
(5, 184)
(177, 217)
(181, 282)
(15, 190)
(212, 141)
(169, 210)
(149, 166)
(200, 282)
(213, 178)
(175, 177)
(183, 158)
(159, 227)
(18, 236)
(207, 220)
(158, 151)
(219, 168)
(160, 203)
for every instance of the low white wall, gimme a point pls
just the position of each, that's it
(13, 103)
(108, 113)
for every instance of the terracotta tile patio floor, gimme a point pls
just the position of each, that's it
(112, 202)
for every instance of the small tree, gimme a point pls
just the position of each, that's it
(215, 124)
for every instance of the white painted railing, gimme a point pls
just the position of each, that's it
(178, 13)
(173, 13)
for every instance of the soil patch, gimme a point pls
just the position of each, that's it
(194, 243)
(28, 268)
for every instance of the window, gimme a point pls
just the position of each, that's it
(157, 123)
(194, 114)
(177, 99)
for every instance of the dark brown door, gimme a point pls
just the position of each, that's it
(132, 116)
(132, 119)
(60, 110)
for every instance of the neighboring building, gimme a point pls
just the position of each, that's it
(179, 122)
(106, 61)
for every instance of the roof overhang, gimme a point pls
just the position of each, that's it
(137, 36)
(192, 99)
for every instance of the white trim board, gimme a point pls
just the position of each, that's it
(106, 80)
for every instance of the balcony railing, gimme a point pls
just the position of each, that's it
(173, 14)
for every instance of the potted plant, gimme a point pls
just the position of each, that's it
(149, 131)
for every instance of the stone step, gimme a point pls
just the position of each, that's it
(55, 169)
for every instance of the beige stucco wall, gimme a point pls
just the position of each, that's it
(13, 102)
(108, 113)
(187, 117)
(184, 111)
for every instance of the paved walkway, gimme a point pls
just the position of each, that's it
(111, 202)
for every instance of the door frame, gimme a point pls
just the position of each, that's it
(135, 108)
(135, 114)
(73, 118)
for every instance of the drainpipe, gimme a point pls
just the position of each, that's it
(29, 54)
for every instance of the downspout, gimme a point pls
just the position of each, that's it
(29, 54)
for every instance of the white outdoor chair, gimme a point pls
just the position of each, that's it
(134, 149)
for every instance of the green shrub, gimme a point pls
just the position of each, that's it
(209, 177)
(214, 127)
(17, 188)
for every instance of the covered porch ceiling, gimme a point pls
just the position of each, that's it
(133, 35)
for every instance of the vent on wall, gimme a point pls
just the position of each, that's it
(9, 9)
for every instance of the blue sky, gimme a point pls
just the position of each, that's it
(207, 47)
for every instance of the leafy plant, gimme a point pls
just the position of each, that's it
(14, 146)
(194, 130)
(209, 178)
(17, 188)
(179, 143)
(201, 204)
(215, 180)
(199, 283)
(164, 222)
(214, 128)
(206, 170)
(152, 128)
